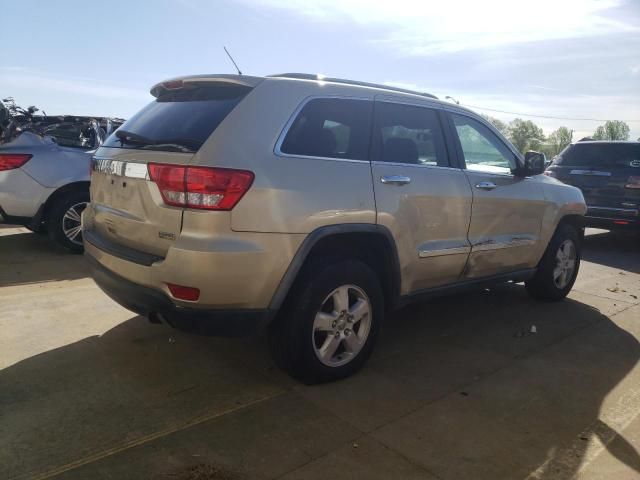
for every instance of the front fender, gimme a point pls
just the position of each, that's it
(562, 201)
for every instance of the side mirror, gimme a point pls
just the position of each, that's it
(534, 163)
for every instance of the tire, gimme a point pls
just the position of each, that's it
(311, 340)
(63, 220)
(547, 284)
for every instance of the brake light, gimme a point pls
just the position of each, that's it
(184, 293)
(170, 181)
(11, 161)
(633, 182)
(172, 84)
(205, 188)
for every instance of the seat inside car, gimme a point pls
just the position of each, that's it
(401, 150)
(320, 143)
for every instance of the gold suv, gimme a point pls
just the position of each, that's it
(314, 206)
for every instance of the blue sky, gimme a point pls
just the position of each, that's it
(565, 58)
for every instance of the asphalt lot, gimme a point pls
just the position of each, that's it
(458, 388)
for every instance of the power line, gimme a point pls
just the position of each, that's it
(546, 116)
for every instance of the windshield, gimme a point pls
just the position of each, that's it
(180, 119)
(599, 155)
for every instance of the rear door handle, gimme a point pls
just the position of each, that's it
(395, 180)
(486, 185)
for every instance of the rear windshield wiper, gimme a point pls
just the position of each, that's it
(180, 144)
(168, 146)
(189, 143)
(133, 138)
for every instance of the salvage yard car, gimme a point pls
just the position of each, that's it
(608, 173)
(313, 206)
(44, 171)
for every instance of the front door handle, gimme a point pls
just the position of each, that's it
(395, 180)
(486, 185)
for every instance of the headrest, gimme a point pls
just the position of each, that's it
(402, 150)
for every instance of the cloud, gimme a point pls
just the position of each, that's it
(27, 78)
(556, 103)
(192, 6)
(60, 94)
(416, 27)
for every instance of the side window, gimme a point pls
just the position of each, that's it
(331, 128)
(408, 134)
(483, 150)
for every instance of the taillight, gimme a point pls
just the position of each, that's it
(170, 181)
(10, 161)
(206, 188)
(633, 182)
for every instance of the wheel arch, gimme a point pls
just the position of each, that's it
(574, 220)
(61, 192)
(372, 244)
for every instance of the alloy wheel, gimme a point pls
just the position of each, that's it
(565, 264)
(342, 325)
(72, 223)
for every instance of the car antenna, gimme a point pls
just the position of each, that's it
(232, 60)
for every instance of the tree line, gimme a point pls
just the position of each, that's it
(526, 135)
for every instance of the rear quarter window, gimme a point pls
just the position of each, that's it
(330, 128)
(180, 119)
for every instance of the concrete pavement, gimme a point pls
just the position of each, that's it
(457, 387)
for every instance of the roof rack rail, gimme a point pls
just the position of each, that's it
(311, 76)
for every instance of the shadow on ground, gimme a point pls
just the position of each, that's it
(28, 257)
(613, 249)
(459, 386)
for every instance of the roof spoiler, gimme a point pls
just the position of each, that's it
(179, 82)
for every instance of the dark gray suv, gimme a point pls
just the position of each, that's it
(608, 173)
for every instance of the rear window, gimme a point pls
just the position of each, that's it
(600, 155)
(408, 134)
(180, 119)
(331, 128)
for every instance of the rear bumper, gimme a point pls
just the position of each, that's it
(611, 224)
(154, 304)
(612, 218)
(21, 197)
(32, 222)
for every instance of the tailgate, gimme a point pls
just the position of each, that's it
(127, 207)
(603, 187)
